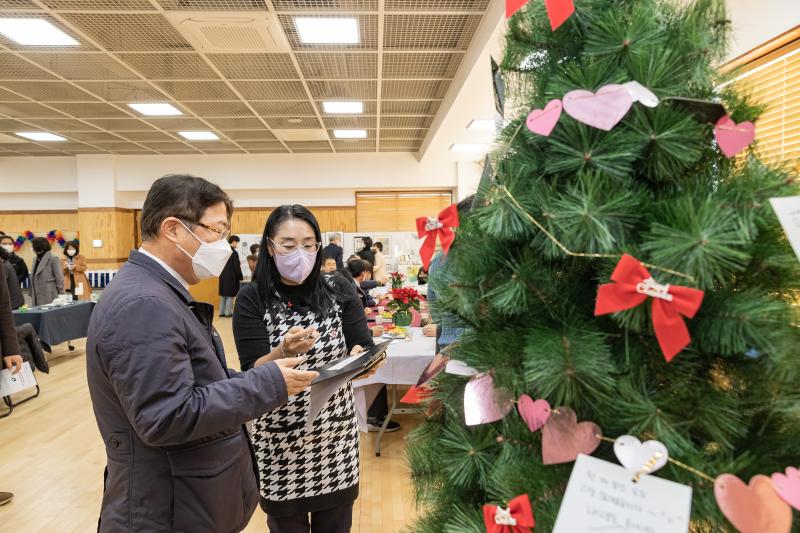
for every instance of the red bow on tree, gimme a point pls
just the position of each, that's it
(441, 226)
(633, 284)
(516, 518)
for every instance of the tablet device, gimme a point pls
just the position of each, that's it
(363, 361)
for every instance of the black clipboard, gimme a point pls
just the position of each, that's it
(364, 361)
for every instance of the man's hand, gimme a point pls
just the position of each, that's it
(429, 330)
(296, 380)
(298, 340)
(13, 363)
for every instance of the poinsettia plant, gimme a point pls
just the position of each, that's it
(403, 300)
(397, 279)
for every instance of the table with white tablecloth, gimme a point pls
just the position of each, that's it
(405, 361)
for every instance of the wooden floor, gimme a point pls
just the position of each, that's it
(52, 459)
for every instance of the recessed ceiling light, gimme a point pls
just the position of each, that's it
(469, 147)
(40, 136)
(34, 32)
(198, 135)
(350, 134)
(156, 110)
(343, 107)
(480, 124)
(327, 30)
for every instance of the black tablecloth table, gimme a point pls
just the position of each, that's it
(58, 324)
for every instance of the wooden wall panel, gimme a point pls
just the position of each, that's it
(252, 220)
(398, 211)
(115, 227)
(206, 291)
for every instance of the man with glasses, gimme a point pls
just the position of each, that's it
(170, 412)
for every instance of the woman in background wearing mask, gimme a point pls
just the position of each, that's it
(7, 243)
(14, 288)
(47, 280)
(73, 264)
(289, 310)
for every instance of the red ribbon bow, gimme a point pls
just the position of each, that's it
(516, 518)
(633, 284)
(441, 226)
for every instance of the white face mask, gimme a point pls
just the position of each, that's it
(209, 260)
(71, 253)
(8, 247)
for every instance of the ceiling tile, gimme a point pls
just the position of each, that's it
(401, 145)
(249, 135)
(421, 65)
(114, 146)
(123, 91)
(255, 66)
(82, 66)
(352, 65)
(271, 90)
(146, 136)
(8, 96)
(100, 5)
(62, 124)
(403, 107)
(26, 110)
(350, 122)
(429, 31)
(18, 4)
(354, 146)
(91, 136)
(218, 109)
(166, 146)
(289, 123)
(406, 122)
(120, 124)
(337, 5)
(177, 124)
(348, 90)
(287, 108)
(213, 5)
(15, 68)
(49, 91)
(414, 89)
(436, 5)
(183, 66)
(197, 90)
(399, 134)
(6, 124)
(129, 31)
(212, 145)
(239, 123)
(91, 110)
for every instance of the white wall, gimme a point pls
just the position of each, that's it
(757, 21)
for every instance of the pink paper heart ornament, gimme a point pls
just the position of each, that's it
(542, 121)
(602, 110)
(563, 438)
(640, 93)
(640, 457)
(534, 413)
(788, 486)
(753, 508)
(732, 137)
(483, 404)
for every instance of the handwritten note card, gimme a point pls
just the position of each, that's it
(788, 211)
(602, 497)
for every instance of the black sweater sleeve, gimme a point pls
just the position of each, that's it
(249, 331)
(354, 321)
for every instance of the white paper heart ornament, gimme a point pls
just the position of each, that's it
(640, 93)
(602, 110)
(640, 457)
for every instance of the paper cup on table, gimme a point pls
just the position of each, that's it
(381, 309)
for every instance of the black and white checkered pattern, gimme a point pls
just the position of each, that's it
(295, 463)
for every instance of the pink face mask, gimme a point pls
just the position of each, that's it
(295, 266)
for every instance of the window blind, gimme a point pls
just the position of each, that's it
(397, 211)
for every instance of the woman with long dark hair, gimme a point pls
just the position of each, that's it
(291, 309)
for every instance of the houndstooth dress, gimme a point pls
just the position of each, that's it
(304, 471)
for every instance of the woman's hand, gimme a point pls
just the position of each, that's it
(367, 311)
(298, 341)
(358, 349)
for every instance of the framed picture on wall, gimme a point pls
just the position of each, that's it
(386, 241)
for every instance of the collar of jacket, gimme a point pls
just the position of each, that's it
(138, 258)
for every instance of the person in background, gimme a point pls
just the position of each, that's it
(360, 271)
(366, 252)
(170, 412)
(14, 288)
(291, 309)
(354, 256)
(335, 250)
(230, 279)
(7, 243)
(446, 327)
(254, 249)
(379, 266)
(328, 264)
(9, 346)
(422, 276)
(47, 280)
(251, 263)
(73, 265)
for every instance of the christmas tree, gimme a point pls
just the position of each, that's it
(549, 229)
